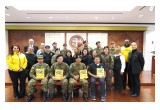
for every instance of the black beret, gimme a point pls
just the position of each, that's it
(57, 49)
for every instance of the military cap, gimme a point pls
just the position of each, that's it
(39, 56)
(98, 42)
(64, 44)
(47, 46)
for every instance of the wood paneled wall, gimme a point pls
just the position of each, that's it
(21, 37)
(119, 38)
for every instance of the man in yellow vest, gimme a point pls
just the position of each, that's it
(125, 52)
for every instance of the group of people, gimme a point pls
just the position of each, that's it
(86, 66)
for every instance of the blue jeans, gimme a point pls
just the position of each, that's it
(102, 85)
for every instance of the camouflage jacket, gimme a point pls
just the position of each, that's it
(36, 66)
(74, 68)
(108, 61)
(63, 66)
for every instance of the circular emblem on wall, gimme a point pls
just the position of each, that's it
(76, 41)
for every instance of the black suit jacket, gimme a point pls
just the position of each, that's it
(34, 46)
(136, 62)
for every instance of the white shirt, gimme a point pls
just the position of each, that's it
(122, 58)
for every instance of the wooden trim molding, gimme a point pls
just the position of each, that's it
(102, 28)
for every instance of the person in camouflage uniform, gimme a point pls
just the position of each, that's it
(112, 48)
(59, 65)
(85, 46)
(108, 61)
(41, 68)
(64, 50)
(54, 45)
(75, 77)
(99, 49)
(57, 52)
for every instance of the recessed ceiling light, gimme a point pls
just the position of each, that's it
(67, 17)
(7, 14)
(140, 15)
(96, 17)
(27, 17)
(112, 18)
(50, 17)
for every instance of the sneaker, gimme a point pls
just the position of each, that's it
(135, 95)
(93, 98)
(103, 99)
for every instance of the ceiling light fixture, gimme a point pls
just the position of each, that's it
(67, 17)
(7, 14)
(50, 17)
(140, 15)
(27, 17)
(96, 17)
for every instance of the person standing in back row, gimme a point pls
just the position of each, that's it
(99, 49)
(32, 59)
(31, 44)
(125, 52)
(135, 67)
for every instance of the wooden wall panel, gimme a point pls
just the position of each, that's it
(119, 37)
(21, 38)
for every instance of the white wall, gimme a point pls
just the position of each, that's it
(148, 47)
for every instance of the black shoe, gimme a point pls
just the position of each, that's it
(135, 95)
(130, 93)
(17, 97)
(85, 97)
(69, 97)
(44, 96)
(64, 96)
(50, 96)
(29, 98)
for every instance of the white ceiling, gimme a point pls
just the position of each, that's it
(138, 15)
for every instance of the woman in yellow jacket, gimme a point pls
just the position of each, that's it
(17, 63)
